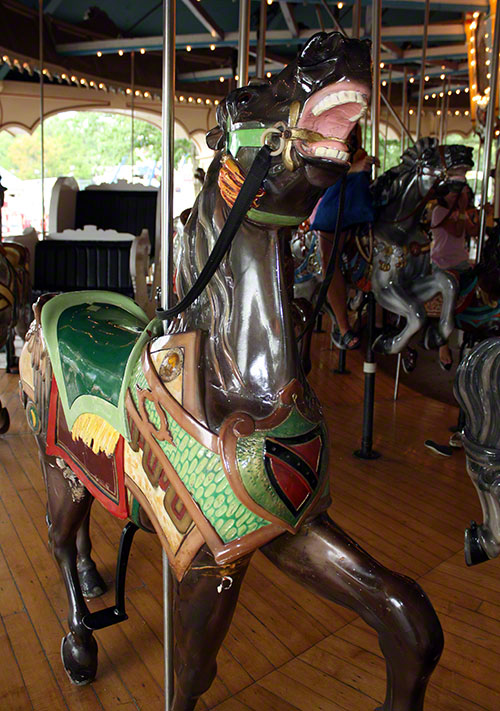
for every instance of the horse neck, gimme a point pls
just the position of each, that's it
(404, 203)
(249, 352)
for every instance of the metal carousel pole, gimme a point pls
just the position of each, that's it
(488, 135)
(261, 43)
(42, 110)
(167, 297)
(404, 109)
(422, 68)
(243, 42)
(366, 450)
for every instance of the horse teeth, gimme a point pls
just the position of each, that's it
(324, 152)
(355, 118)
(338, 98)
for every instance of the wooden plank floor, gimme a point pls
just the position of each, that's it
(287, 650)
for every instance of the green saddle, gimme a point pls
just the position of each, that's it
(94, 339)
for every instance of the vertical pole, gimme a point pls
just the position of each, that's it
(42, 110)
(261, 43)
(443, 111)
(243, 42)
(488, 135)
(478, 164)
(422, 68)
(341, 365)
(369, 369)
(168, 633)
(375, 107)
(387, 117)
(167, 190)
(132, 108)
(167, 178)
(356, 19)
(404, 108)
(398, 376)
(446, 105)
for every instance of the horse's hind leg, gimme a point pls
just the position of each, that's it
(204, 604)
(68, 505)
(91, 582)
(326, 560)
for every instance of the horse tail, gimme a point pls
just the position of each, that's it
(477, 387)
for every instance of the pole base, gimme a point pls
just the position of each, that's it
(341, 371)
(366, 454)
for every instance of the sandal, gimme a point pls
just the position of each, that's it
(349, 341)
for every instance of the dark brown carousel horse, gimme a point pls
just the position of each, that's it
(210, 434)
(14, 306)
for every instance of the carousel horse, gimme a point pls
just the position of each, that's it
(393, 259)
(14, 306)
(207, 432)
(476, 389)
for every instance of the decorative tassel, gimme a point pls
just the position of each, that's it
(96, 433)
(230, 180)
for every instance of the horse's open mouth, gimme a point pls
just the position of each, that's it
(332, 112)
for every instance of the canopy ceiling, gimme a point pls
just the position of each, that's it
(92, 46)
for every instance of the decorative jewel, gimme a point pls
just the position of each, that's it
(171, 365)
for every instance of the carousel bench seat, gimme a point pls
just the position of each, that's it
(93, 339)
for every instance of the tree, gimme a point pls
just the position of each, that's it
(81, 144)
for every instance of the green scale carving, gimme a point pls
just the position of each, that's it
(202, 473)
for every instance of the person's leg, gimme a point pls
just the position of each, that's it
(337, 294)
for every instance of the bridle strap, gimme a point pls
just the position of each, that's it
(258, 171)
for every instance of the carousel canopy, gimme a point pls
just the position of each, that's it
(92, 46)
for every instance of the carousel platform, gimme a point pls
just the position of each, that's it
(287, 650)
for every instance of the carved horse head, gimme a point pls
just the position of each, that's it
(307, 113)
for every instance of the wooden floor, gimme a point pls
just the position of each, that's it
(286, 649)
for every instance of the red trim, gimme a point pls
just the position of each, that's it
(120, 509)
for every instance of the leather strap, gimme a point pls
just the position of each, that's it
(253, 181)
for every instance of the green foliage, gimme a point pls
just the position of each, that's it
(82, 144)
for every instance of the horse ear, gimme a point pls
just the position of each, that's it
(215, 138)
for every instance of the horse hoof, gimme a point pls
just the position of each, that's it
(409, 360)
(4, 420)
(382, 344)
(80, 663)
(91, 583)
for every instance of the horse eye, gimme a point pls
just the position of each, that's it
(244, 98)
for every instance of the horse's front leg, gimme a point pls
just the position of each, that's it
(90, 579)
(68, 504)
(439, 283)
(326, 560)
(393, 297)
(204, 603)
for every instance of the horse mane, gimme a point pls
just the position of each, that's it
(476, 389)
(388, 186)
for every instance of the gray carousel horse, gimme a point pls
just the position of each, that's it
(395, 260)
(210, 434)
(476, 389)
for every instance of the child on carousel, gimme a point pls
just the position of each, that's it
(454, 219)
(358, 209)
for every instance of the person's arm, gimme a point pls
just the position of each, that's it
(449, 221)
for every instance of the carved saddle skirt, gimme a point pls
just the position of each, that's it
(126, 415)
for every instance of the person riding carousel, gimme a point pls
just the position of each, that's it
(358, 210)
(453, 220)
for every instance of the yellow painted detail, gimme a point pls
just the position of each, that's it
(96, 433)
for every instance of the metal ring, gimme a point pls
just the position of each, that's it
(275, 133)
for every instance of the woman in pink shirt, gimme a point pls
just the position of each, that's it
(452, 221)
